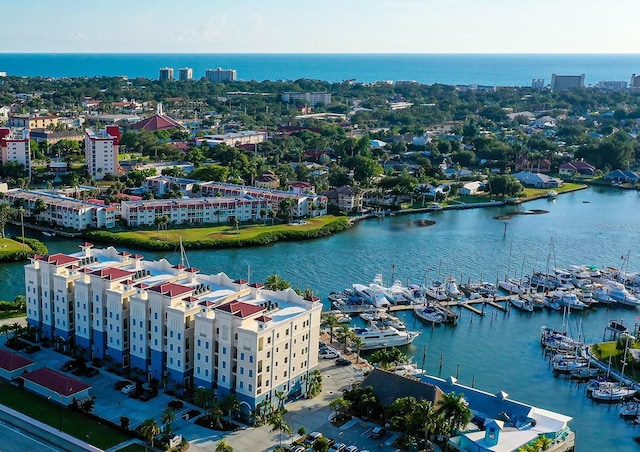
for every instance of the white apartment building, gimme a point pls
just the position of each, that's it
(303, 204)
(312, 98)
(63, 211)
(166, 73)
(221, 75)
(185, 73)
(172, 322)
(101, 149)
(233, 138)
(193, 210)
(15, 146)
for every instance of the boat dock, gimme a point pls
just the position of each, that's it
(468, 304)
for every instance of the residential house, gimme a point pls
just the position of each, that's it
(344, 198)
(267, 179)
(534, 166)
(622, 176)
(471, 188)
(576, 168)
(538, 180)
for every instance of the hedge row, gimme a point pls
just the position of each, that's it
(264, 238)
(35, 247)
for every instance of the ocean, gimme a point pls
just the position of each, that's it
(451, 69)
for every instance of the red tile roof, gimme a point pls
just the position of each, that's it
(10, 361)
(256, 285)
(86, 245)
(59, 259)
(157, 122)
(206, 303)
(240, 281)
(55, 381)
(171, 289)
(241, 309)
(192, 270)
(264, 319)
(112, 273)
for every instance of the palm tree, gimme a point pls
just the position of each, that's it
(455, 410)
(331, 321)
(222, 446)
(216, 413)
(168, 417)
(314, 384)
(203, 397)
(345, 334)
(231, 404)
(276, 282)
(4, 329)
(278, 422)
(357, 342)
(281, 395)
(150, 429)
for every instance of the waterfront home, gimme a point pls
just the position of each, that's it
(537, 180)
(507, 425)
(471, 188)
(537, 166)
(344, 198)
(577, 168)
(622, 176)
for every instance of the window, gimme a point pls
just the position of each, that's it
(250, 358)
(224, 350)
(241, 356)
(250, 373)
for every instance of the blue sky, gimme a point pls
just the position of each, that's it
(328, 26)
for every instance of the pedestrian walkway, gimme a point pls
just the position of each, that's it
(124, 444)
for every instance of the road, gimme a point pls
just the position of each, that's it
(14, 440)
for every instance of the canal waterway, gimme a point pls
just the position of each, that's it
(597, 226)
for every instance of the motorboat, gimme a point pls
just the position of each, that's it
(429, 314)
(434, 207)
(630, 410)
(451, 286)
(619, 293)
(437, 291)
(372, 316)
(602, 297)
(48, 233)
(398, 294)
(373, 294)
(568, 365)
(557, 340)
(568, 299)
(524, 304)
(343, 318)
(617, 327)
(375, 338)
(552, 194)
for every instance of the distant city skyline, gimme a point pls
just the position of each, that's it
(330, 26)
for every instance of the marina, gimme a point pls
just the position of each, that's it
(496, 352)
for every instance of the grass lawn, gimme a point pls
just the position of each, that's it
(73, 423)
(11, 246)
(608, 349)
(531, 192)
(224, 232)
(12, 315)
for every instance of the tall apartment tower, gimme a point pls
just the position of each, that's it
(15, 146)
(537, 83)
(185, 73)
(221, 75)
(101, 149)
(166, 73)
(563, 82)
(635, 82)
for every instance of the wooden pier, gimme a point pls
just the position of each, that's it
(469, 304)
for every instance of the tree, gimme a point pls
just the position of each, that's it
(340, 406)
(124, 422)
(330, 321)
(222, 446)
(161, 221)
(203, 397)
(278, 422)
(455, 410)
(285, 207)
(276, 282)
(231, 404)
(314, 384)
(6, 212)
(150, 429)
(216, 413)
(357, 342)
(39, 207)
(168, 418)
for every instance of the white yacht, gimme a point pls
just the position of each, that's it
(437, 291)
(429, 314)
(524, 304)
(374, 338)
(568, 299)
(372, 294)
(619, 293)
(516, 286)
(451, 286)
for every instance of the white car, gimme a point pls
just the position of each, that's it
(129, 388)
(352, 448)
(329, 353)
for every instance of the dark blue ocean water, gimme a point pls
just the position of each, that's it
(483, 69)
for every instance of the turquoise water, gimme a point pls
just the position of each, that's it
(500, 351)
(484, 69)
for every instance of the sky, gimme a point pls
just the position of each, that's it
(328, 26)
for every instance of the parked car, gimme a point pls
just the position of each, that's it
(338, 447)
(378, 432)
(343, 362)
(121, 384)
(147, 395)
(351, 448)
(311, 438)
(329, 353)
(175, 404)
(70, 365)
(32, 348)
(129, 388)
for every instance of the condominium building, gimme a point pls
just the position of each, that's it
(174, 323)
(166, 73)
(15, 146)
(101, 148)
(221, 75)
(564, 82)
(302, 204)
(312, 98)
(194, 210)
(233, 138)
(635, 82)
(185, 73)
(63, 211)
(33, 121)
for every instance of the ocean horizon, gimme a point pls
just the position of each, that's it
(514, 69)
